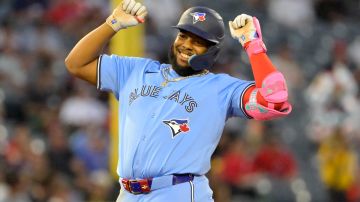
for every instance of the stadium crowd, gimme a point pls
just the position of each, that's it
(54, 129)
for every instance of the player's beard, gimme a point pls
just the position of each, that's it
(182, 71)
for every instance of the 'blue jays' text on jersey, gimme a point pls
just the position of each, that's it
(172, 129)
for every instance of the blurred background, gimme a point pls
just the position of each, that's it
(54, 129)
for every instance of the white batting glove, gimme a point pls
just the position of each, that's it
(246, 29)
(243, 29)
(127, 14)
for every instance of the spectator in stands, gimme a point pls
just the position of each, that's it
(238, 169)
(337, 165)
(332, 95)
(82, 109)
(295, 14)
(15, 191)
(59, 150)
(331, 10)
(220, 188)
(353, 193)
(89, 145)
(18, 148)
(274, 159)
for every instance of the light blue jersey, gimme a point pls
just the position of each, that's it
(168, 130)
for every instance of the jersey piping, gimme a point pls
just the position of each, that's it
(241, 100)
(98, 73)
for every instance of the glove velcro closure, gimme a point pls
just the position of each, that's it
(255, 46)
(113, 23)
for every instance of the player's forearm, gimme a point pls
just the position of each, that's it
(261, 67)
(269, 98)
(89, 47)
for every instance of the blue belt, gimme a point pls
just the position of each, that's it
(143, 186)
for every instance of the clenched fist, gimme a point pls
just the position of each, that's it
(128, 13)
(246, 29)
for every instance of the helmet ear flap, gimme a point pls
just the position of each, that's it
(206, 60)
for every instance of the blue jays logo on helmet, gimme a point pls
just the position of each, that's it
(178, 126)
(197, 16)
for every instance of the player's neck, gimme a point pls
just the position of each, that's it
(188, 71)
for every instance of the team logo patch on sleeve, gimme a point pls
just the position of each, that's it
(178, 126)
(198, 17)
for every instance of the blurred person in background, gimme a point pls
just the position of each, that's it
(353, 193)
(39, 176)
(332, 11)
(59, 150)
(221, 189)
(275, 165)
(61, 189)
(89, 144)
(65, 12)
(296, 14)
(101, 185)
(332, 95)
(12, 72)
(274, 159)
(338, 164)
(238, 170)
(2, 114)
(82, 109)
(17, 149)
(15, 188)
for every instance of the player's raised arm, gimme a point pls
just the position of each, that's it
(269, 98)
(82, 59)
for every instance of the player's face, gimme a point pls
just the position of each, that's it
(187, 44)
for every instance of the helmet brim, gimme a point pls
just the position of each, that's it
(197, 32)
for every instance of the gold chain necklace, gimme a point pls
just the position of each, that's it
(167, 80)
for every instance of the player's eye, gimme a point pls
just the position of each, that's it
(182, 36)
(198, 43)
(173, 122)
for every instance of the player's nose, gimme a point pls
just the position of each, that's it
(187, 43)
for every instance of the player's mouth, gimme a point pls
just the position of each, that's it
(184, 56)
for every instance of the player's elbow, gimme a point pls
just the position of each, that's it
(70, 65)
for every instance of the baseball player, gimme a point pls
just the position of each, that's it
(172, 115)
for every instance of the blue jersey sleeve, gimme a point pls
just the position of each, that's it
(232, 92)
(114, 71)
(236, 103)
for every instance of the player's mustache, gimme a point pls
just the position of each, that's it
(185, 51)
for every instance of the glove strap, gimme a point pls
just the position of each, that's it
(257, 45)
(113, 23)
